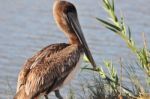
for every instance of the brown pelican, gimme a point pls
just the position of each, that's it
(54, 66)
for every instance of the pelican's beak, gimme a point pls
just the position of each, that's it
(73, 20)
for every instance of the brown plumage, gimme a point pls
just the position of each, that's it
(54, 65)
(48, 68)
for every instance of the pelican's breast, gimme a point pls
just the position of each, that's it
(74, 71)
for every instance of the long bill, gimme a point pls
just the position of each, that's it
(73, 20)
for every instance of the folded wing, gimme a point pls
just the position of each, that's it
(49, 70)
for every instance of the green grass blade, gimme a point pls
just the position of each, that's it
(107, 24)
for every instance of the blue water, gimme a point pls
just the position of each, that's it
(26, 26)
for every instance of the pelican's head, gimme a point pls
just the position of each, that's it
(65, 15)
(62, 11)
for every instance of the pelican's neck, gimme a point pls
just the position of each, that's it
(73, 40)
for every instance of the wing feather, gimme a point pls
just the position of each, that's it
(50, 70)
(36, 59)
(53, 70)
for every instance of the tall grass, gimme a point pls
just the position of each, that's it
(118, 26)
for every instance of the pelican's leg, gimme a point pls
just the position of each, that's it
(46, 96)
(57, 94)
